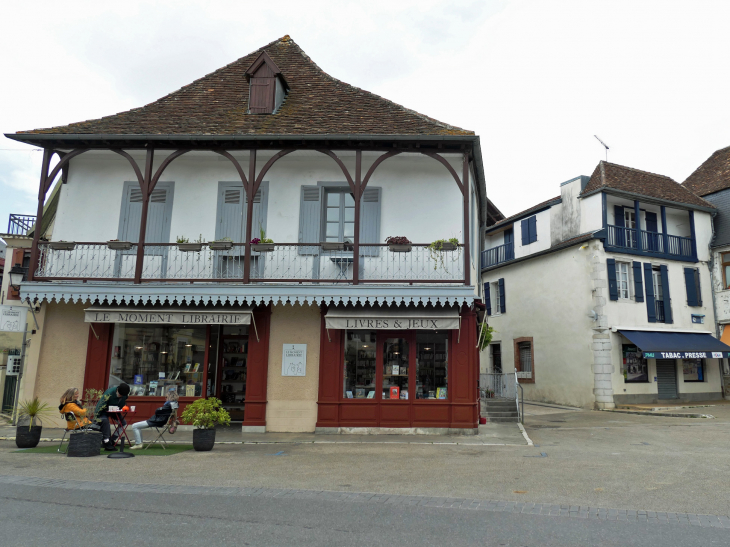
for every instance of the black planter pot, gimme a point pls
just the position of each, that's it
(26, 437)
(84, 445)
(203, 439)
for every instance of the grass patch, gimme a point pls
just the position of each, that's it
(156, 450)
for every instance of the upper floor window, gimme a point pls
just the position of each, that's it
(529, 230)
(726, 269)
(623, 280)
(267, 87)
(339, 215)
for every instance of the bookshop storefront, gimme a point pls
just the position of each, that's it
(410, 367)
(196, 353)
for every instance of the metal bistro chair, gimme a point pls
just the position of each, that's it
(167, 428)
(71, 417)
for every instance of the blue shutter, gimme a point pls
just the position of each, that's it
(309, 219)
(612, 285)
(649, 283)
(525, 229)
(638, 282)
(532, 221)
(667, 299)
(508, 236)
(652, 238)
(618, 220)
(370, 220)
(697, 284)
(487, 298)
(651, 222)
(502, 298)
(689, 281)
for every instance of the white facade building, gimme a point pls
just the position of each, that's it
(595, 309)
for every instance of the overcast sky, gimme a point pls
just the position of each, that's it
(536, 79)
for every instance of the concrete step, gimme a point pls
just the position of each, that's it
(501, 405)
(503, 420)
(491, 414)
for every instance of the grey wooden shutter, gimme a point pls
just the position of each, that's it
(260, 203)
(370, 220)
(487, 298)
(689, 281)
(159, 213)
(525, 229)
(649, 284)
(502, 297)
(230, 211)
(667, 300)
(131, 215)
(638, 282)
(612, 285)
(309, 219)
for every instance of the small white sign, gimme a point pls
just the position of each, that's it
(294, 360)
(12, 318)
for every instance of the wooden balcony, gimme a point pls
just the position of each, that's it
(283, 263)
(497, 255)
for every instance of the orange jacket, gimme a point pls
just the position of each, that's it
(80, 415)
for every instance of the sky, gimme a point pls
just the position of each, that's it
(535, 79)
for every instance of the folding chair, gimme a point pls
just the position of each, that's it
(71, 417)
(172, 420)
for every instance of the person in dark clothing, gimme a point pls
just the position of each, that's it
(114, 396)
(160, 418)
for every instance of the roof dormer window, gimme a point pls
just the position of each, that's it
(267, 87)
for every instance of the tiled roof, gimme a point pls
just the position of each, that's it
(628, 179)
(524, 213)
(216, 104)
(712, 176)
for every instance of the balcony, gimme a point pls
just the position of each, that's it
(619, 238)
(286, 263)
(20, 225)
(497, 255)
(659, 311)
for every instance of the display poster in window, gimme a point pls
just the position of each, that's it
(693, 370)
(635, 367)
(294, 360)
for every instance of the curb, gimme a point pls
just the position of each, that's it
(665, 414)
(524, 434)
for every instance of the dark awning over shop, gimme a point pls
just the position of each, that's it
(677, 345)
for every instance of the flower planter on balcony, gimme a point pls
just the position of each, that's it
(398, 248)
(220, 245)
(119, 245)
(190, 247)
(62, 245)
(263, 247)
(448, 246)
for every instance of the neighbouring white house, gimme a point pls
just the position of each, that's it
(230, 240)
(711, 181)
(602, 295)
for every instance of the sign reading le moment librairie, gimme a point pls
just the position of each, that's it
(179, 317)
(294, 360)
(12, 318)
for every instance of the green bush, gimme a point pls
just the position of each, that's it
(206, 414)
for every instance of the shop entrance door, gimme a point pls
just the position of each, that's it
(395, 360)
(666, 375)
(232, 370)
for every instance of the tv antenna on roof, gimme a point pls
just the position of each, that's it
(604, 145)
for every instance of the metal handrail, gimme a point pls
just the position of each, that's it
(20, 224)
(519, 399)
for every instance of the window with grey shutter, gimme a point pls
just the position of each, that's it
(159, 213)
(309, 219)
(370, 220)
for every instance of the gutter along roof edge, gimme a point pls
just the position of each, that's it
(648, 199)
(519, 216)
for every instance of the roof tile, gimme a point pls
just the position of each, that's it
(712, 176)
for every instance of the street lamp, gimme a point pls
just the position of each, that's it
(17, 274)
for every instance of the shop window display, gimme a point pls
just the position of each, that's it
(634, 367)
(694, 370)
(153, 359)
(395, 369)
(359, 365)
(432, 365)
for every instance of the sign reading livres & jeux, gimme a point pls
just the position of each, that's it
(167, 317)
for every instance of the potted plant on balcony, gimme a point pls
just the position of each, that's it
(222, 244)
(116, 245)
(439, 247)
(184, 244)
(399, 244)
(262, 244)
(62, 245)
(205, 414)
(29, 425)
(336, 245)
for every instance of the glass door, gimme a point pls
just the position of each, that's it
(395, 366)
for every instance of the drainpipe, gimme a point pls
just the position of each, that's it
(714, 301)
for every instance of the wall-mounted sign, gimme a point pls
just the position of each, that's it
(179, 317)
(12, 318)
(686, 354)
(698, 319)
(294, 360)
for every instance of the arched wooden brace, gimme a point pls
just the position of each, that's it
(338, 161)
(237, 165)
(60, 165)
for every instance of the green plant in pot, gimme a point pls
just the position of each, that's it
(438, 248)
(30, 424)
(205, 414)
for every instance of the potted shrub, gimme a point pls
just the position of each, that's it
(29, 425)
(205, 414)
(262, 244)
(439, 247)
(399, 244)
(116, 245)
(183, 243)
(62, 245)
(222, 244)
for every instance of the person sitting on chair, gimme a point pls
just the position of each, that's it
(114, 396)
(70, 403)
(162, 415)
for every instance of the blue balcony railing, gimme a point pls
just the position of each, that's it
(651, 242)
(497, 255)
(20, 224)
(659, 310)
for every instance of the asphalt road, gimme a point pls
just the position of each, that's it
(35, 515)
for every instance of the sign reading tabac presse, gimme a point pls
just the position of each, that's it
(12, 318)
(294, 360)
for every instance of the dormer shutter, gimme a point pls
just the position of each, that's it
(266, 85)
